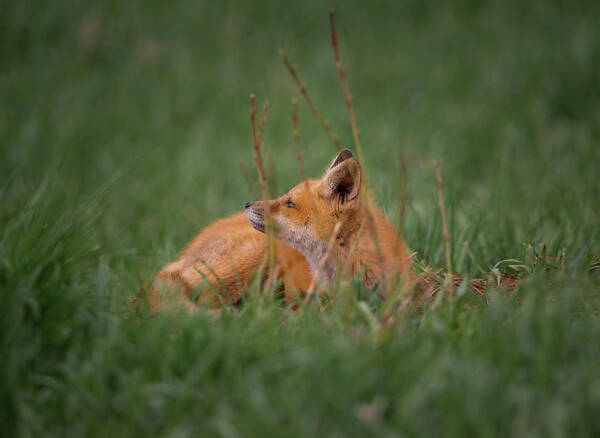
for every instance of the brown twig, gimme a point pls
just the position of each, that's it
(315, 280)
(261, 125)
(355, 134)
(350, 263)
(402, 195)
(296, 135)
(445, 234)
(400, 295)
(257, 139)
(402, 198)
(347, 95)
(304, 92)
(313, 206)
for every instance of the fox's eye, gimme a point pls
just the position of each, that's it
(291, 204)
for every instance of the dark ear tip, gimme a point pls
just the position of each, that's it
(345, 154)
(342, 156)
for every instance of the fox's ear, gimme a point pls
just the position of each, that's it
(344, 154)
(342, 181)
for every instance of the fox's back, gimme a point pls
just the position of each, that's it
(226, 256)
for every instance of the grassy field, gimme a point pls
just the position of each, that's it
(124, 130)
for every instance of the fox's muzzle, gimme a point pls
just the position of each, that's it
(255, 216)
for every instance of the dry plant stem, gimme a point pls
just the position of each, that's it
(315, 280)
(269, 227)
(355, 133)
(401, 207)
(340, 67)
(296, 135)
(402, 196)
(294, 117)
(349, 265)
(372, 229)
(312, 107)
(256, 143)
(261, 126)
(446, 236)
(257, 139)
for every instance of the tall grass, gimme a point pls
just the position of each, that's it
(124, 130)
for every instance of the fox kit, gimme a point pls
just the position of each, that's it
(226, 256)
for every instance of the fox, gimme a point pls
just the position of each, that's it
(325, 228)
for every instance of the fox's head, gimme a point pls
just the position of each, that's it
(305, 216)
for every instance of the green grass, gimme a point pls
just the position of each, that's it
(125, 130)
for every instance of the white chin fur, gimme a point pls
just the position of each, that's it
(256, 220)
(303, 239)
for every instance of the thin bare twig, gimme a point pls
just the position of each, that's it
(304, 92)
(347, 95)
(445, 235)
(337, 227)
(355, 134)
(402, 195)
(257, 139)
(402, 198)
(350, 264)
(401, 295)
(296, 135)
(261, 125)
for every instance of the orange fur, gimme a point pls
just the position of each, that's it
(305, 217)
(226, 256)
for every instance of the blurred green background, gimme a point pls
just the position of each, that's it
(150, 102)
(125, 129)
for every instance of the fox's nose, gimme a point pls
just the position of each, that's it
(248, 204)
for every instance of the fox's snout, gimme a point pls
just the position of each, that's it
(254, 207)
(255, 216)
